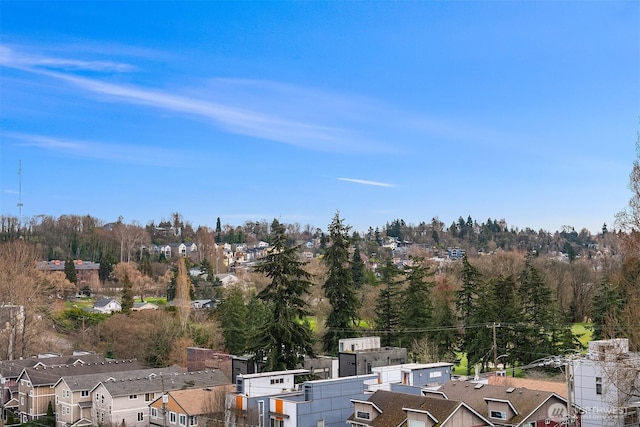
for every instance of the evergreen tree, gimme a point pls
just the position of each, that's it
(286, 337)
(232, 313)
(127, 294)
(416, 300)
(145, 264)
(608, 303)
(541, 320)
(358, 269)
(467, 306)
(339, 288)
(445, 335)
(70, 271)
(388, 306)
(107, 261)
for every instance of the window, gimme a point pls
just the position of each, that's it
(102, 398)
(148, 397)
(182, 420)
(276, 423)
(22, 400)
(140, 416)
(173, 417)
(363, 415)
(154, 412)
(193, 420)
(277, 381)
(436, 374)
(499, 415)
(598, 385)
(133, 396)
(84, 393)
(414, 423)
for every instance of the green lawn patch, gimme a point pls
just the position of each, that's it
(583, 332)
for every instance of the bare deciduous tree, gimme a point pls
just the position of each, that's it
(24, 296)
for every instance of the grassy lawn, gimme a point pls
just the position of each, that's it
(582, 332)
(156, 300)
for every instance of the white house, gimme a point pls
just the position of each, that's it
(107, 305)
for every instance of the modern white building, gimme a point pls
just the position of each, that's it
(606, 384)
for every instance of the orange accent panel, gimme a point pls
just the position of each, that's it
(239, 402)
(279, 406)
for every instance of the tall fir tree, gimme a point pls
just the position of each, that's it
(286, 337)
(70, 271)
(358, 268)
(233, 314)
(389, 305)
(339, 288)
(127, 294)
(467, 306)
(417, 301)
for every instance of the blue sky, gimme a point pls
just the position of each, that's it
(526, 111)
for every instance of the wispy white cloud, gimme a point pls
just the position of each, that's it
(287, 120)
(367, 182)
(290, 114)
(119, 153)
(10, 57)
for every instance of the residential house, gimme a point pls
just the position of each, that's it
(279, 399)
(386, 408)
(74, 404)
(107, 305)
(86, 271)
(606, 384)
(508, 406)
(227, 279)
(126, 400)
(10, 370)
(190, 407)
(36, 384)
(202, 303)
(358, 356)
(411, 377)
(201, 359)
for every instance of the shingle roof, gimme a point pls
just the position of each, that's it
(391, 404)
(103, 302)
(90, 380)
(525, 401)
(193, 401)
(50, 375)
(13, 368)
(136, 385)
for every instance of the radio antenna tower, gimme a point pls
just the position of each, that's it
(20, 190)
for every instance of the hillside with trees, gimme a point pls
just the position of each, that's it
(438, 290)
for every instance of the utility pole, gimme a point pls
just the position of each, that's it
(568, 363)
(20, 190)
(495, 345)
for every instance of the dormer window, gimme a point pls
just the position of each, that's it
(363, 415)
(498, 415)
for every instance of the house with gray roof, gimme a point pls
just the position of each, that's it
(125, 400)
(507, 406)
(73, 392)
(36, 384)
(107, 305)
(387, 408)
(10, 370)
